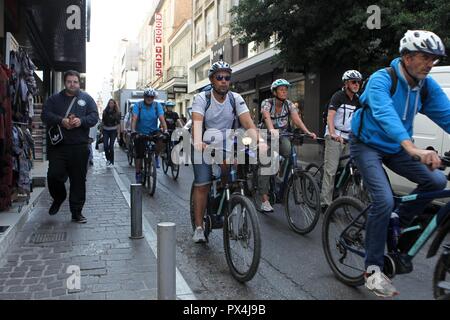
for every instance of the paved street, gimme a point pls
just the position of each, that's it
(292, 266)
(112, 266)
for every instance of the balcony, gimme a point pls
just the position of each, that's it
(175, 72)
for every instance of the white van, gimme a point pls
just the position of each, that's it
(426, 133)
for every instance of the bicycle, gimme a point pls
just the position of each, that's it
(149, 172)
(293, 186)
(167, 160)
(228, 208)
(347, 182)
(344, 247)
(130, 149)
(441, 281)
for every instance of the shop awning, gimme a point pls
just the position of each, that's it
(58, 31)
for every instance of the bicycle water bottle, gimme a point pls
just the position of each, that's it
(393, 232)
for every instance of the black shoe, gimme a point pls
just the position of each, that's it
(324, 208)
(78, 218)
(55, 207)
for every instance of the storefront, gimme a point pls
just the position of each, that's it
(39, 40)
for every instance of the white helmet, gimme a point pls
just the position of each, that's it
(150, 92)
(218, 66)
(351, 75)
(422, 41)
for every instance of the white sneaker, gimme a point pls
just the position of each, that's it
(199, 235)
(378, 283)
(266, 207)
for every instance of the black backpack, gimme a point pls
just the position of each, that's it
(394, 78)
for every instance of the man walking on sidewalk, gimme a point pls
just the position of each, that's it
(75, 112)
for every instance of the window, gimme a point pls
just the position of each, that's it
(198, 35)
(222, 12)
(210, 30)
(201, 72)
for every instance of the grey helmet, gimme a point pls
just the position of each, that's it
(219, 66)
(150, 92)
(351, 75)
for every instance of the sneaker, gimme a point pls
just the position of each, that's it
(54, 207)
(139, 178)
(378, 283)
(199, 235)
(157, 162)
(108, 163)
(78, 218)
(266, 207)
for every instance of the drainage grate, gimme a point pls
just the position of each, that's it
(48, 237)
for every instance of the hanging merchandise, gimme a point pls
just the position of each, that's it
(6, 170)
(22, 147)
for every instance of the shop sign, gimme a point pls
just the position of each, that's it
(158, 45)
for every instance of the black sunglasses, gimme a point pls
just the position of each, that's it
(355, 82)
(220, 78)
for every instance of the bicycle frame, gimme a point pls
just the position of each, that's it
(441, 218)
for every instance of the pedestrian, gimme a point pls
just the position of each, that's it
(111, 122)
(75, 112)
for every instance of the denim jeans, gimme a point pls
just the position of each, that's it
(369, 161)
(109, 138)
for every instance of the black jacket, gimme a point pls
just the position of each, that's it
(85, 108)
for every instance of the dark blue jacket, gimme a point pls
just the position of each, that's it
(85, 108)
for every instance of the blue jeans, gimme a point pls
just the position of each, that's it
(369, 161)
(109, 138)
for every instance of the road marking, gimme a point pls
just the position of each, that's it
(184, 292)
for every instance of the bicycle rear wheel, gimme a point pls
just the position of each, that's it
(441, 276)
(343, 236)
(316, 172)
(302, 203)
(241, 238)
(354, 187)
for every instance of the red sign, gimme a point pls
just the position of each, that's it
(158, 45)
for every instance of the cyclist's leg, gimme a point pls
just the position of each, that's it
(333, 151)
(369, 162)
(139, 148)
(417, 172)
(202, 183)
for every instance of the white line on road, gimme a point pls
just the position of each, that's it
(184, 292)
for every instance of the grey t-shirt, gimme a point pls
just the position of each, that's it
(219, 116)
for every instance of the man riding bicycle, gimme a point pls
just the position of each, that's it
(340, 111)
(145, 123)
(216, 110)
(276, 113)
(382, 134)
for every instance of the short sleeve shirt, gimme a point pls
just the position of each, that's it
(219, 116)
(147, 122)
(344, 107)
(280, 120)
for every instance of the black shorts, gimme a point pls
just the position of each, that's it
(139, 144)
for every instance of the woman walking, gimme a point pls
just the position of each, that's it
(111, 122)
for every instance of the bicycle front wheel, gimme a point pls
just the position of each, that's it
(241, 237)
(441, 277)
(175, 168)
(165, 164)
(316, 172)
(343, 236)
(151, 176)
(302, 203)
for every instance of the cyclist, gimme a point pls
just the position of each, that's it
(145, 122)
(172, 118)
(218, 109)
(276, 115)
(340, 111)
(382, 134)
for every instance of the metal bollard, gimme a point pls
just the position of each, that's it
(136, 211)
(166, 269)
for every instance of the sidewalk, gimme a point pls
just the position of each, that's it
(112, 265)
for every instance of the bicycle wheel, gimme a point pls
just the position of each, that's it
(192, 214)
(355, 188)
(441, 276)
(250, 179)
(316, 172)
(302, 203)
(175, 168)
(130, 154)
(151, 176)
(241, 238)
(343, 236)
(165, 164)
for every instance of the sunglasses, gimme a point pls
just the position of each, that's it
(354, 82)
(220, 78)
(149, 97)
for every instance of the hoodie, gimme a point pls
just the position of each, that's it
(386, 120)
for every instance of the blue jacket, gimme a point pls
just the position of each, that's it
(387, 121)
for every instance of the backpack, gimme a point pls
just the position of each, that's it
(236, 123)
(262, 124)
(394, 79)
